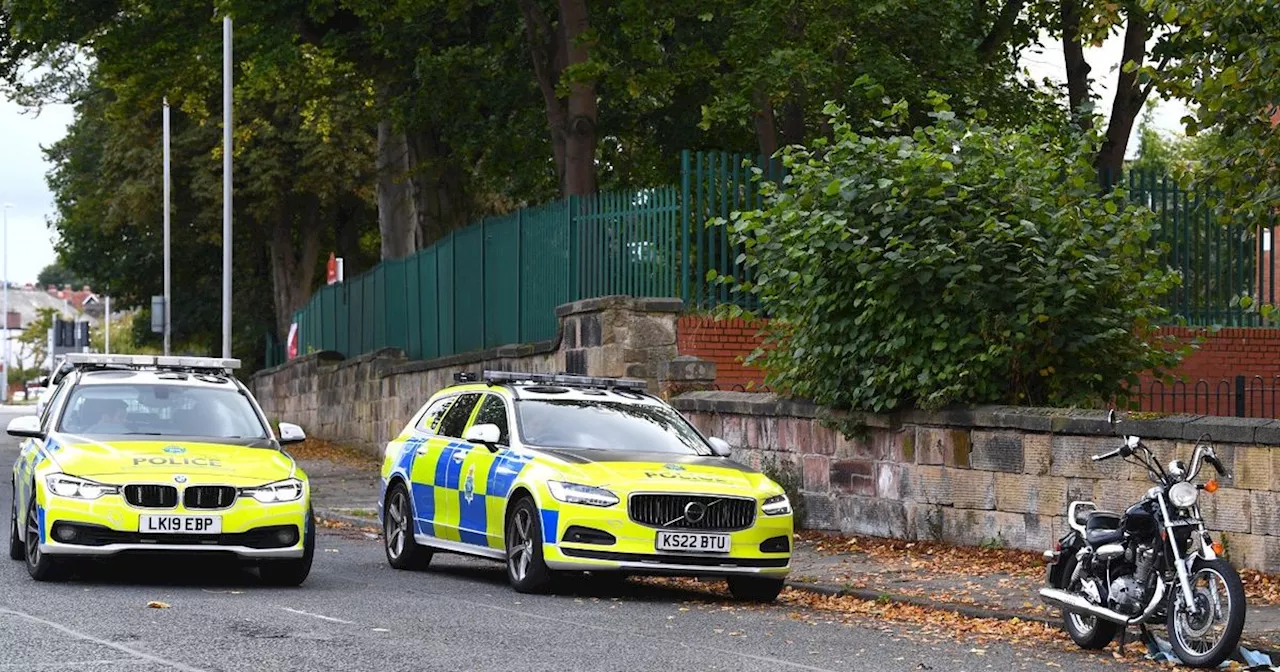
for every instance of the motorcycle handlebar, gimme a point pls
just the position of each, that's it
(1106, 456)
(1217, 464)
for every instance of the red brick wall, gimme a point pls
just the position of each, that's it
(1222, 355)
(725, 342)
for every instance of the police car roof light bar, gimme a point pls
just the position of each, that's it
(85, 359)
(564, 379)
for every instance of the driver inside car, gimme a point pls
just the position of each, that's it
(112, 418)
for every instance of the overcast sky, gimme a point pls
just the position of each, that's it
(23, 168)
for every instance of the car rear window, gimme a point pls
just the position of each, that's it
(606, 425)
(161, 410)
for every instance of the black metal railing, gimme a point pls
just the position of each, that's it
(1238, 396)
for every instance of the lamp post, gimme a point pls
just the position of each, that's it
(4, 370)
(226, 186)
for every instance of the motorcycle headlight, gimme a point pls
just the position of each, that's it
(63, 485)
(576, 493)
(776, 505)
(288, 490)
(1183, 495)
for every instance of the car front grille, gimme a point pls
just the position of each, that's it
(151, 496)
(208, 496)
(679, 511)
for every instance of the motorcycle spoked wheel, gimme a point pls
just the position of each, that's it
(1210, 633)
(1088, 632)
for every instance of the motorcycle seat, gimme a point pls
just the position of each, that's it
(1101, 528)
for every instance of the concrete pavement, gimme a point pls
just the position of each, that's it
(355, 613)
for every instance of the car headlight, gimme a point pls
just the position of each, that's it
(288, 490)
(63, 485)
(1183, 495)
(777, 505)
(576, 493)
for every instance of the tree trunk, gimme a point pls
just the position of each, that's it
(766, 124)
(440, 188)
(793, 115)
(1129, 99)
(397, 218)
(292, 275)
(572, 120)
(1077, 67)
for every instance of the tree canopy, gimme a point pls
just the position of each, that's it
(373, 129)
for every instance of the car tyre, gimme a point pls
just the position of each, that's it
(755, 589)
(287, 573)
(526, 568)
(40, 566)
(403, 552)
(17, 550)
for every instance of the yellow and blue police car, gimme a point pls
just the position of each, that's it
(559, 473)
(144, 454)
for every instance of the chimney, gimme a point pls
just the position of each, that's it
(87, 290)
(52, 289)
(14, 320)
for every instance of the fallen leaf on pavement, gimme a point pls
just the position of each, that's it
(158, 605)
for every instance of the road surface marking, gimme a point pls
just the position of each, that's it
(26, 667)
(591, 626)
(102, 642)
(319, 616)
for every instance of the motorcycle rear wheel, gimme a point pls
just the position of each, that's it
(1211, 581)
(1088, 632)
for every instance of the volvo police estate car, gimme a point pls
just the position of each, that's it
(142, 454)
(558, 473)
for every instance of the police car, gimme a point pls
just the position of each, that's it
(143, 454)
(557, 473)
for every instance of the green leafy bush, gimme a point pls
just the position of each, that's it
(959, 264)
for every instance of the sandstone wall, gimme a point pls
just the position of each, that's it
(992, 475)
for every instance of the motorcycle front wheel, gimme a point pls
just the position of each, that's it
(1208, 632)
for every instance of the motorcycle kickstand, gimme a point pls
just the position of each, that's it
(1124, 632)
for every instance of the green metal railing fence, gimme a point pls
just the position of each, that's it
(1219, 263)
(498, 281)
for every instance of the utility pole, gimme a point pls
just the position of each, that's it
(168, 303)
(4, 370)
(226, 186)
(107, 331)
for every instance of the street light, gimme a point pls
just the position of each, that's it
(4, 369)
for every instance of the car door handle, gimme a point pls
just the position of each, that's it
(423, 450)
(458, 457)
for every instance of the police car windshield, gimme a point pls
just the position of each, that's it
(161, 410)
(606, 425)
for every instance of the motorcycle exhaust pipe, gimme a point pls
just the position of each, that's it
(1078, 605)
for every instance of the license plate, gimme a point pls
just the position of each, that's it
(693, 541)
(180, 524)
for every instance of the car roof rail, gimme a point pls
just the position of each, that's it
(564, 380)
(86, 360)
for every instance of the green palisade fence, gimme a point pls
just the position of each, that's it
(498, 281)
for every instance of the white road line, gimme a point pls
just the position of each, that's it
(319, 616)
(90, 638)
(704, 647)
(26, 667)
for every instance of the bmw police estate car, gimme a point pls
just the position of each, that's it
(557, 473)
(157, 454)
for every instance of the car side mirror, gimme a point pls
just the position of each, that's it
(291, 433)
(486, 434)
(26, 426)
(719, 447)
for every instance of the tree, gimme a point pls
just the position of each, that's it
(1230, 61)
(34, 339)
(57, 275)
(959, 264)
(560, 47)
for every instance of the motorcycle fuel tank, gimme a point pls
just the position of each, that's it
(1140, 521)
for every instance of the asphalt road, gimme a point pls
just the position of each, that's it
(355, 613)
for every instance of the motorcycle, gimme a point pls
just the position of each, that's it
(1154, 563)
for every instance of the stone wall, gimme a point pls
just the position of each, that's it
(365, 401)
(992, 475)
